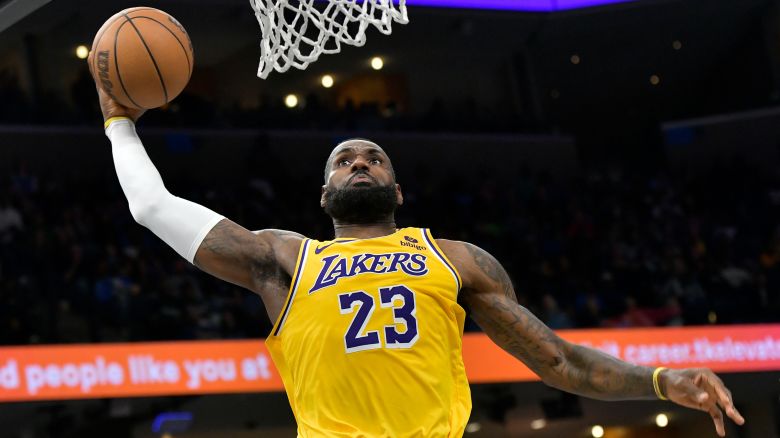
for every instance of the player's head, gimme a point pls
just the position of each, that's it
(360, 185)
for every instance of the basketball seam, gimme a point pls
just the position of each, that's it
(186, 55)
(116, 63)
(107, 25)
(98, 38)
(149, 51)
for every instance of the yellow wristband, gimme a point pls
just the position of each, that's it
(657, 384)
(111, 120)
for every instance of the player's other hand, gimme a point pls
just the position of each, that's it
(700, 388)
(109, 106)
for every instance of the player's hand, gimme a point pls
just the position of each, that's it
(109, 106)
(700, 388)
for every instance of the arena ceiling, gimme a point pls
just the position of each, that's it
(620, 47)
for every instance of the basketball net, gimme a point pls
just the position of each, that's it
(296, 33)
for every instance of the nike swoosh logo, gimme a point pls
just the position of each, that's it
(319, 249)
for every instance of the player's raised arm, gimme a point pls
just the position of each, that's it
(203, 237)
(488, 293)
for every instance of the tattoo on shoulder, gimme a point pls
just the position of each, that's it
(492, 268)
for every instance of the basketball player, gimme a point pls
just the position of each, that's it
(368, 326)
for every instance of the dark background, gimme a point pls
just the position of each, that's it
(612, 201)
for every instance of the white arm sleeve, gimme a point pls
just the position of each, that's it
(180, 223)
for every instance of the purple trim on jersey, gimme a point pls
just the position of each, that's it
(429, 238)
(297, 280)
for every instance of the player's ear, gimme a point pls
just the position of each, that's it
(398, 195)
(322, 197)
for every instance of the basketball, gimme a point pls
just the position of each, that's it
(142, 57)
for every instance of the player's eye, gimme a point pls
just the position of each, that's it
(375, 161)
(342, 163)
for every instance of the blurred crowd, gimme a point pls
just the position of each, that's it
(195, 110)
(605, 249)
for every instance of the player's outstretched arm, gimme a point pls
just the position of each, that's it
(489, 295)
(203, 237)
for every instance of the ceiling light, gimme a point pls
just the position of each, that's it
(597, 431)
(82, 52)
(539, 423)
(291, 101)
(377, 63)
(575, 59)
(661, 420)
(677, 45)
(655, 80)
(327, 81)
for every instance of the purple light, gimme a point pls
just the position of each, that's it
(574, 4)
(515, 5)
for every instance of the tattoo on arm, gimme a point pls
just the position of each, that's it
(493, 305)
(493, 269)
(222, 240)
(595, 374)
(234, 254)
(581, 370)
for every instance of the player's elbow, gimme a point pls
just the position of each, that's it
(557, 368)
(559, 382)
(143, 210)
(552, 376)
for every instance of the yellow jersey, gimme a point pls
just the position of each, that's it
(369, 342)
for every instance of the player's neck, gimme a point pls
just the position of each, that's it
(364, 231)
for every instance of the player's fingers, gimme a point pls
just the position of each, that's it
(724, 398)
(717, 418)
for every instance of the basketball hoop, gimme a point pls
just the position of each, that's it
(295, 34)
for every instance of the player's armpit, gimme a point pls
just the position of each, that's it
(235, 254)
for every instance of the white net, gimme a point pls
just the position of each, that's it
(296, 33)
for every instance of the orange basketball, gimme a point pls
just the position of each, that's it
(142, 57)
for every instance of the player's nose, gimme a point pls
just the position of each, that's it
(360, 163)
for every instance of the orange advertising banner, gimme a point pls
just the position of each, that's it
(207, 367)
(724, 349)
(135, 370)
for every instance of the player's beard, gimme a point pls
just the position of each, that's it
(362, 204)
